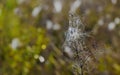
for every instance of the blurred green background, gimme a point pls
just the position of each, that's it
(32, 34)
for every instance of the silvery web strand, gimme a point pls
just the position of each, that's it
(75, 38)
(75, 43)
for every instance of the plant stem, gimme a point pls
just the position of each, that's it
(81, 70)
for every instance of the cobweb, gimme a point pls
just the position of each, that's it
(78, 47)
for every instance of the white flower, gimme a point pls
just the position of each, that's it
(100, 22)
(49, 24)
(36, 11)
(57, 6)
(111, 26)
(68, 51)
(114, 1)
(117, 20)
(15, 43)
(42, 59)
(56, 26)
(75, 5)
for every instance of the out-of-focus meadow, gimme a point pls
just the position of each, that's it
(32, 35)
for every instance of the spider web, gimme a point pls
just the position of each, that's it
(82, 52)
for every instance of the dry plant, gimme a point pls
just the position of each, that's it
(83, 54)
